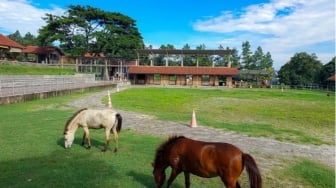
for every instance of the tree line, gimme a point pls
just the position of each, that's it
(305, 69)
(83, 29)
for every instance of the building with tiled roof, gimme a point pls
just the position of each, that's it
(48, 54)
(181, 75)
(8, 45)
(186, 75)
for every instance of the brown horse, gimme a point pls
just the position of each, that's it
(204, 159)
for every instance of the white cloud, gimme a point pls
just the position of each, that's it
(23, 16)
(281, 26)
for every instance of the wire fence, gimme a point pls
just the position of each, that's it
(307, 87)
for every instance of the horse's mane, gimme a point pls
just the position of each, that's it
(66, 128)
(160, 151)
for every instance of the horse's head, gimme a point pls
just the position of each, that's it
(68, 139)
(159, 175)
(70, 128)
(161, 160)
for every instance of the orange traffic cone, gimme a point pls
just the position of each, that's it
(193, 122)
(109, 99)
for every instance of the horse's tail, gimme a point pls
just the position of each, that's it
(252, 170)
(119, 119)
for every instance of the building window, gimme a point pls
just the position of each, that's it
(157, 79)
(172, 79)
(205, 80)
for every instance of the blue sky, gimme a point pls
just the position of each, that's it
(281, 27)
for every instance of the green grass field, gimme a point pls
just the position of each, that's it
(32, 152)
(33, 69)
(294, 116)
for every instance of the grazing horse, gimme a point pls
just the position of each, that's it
(108, 119)
(204, 159)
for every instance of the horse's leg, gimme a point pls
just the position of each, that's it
(107, 135)
(187, 179)
(87, 135)
(115, 134)
(83, 140)
(230, 182)
(173, 175)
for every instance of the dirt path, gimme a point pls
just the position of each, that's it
(267, 152)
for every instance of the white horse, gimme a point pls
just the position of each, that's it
(108, 119)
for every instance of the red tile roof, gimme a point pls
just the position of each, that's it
(183, 70)
(5, 41)
(89, 54)
(31, 49)
(331, 78)
(41, 50)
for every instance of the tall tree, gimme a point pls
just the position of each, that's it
(203, 60)
(201, 47)
(160, 60)
(327, 71)
(29, 39)
(258, 57)
(86, 29)
(186, 47)
(246, 55)
(302, 69)
(188, 60)
(16, 36)
(235, 59)
(220, 60)
(224, 60)
(267, 61)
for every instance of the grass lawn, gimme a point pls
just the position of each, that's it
(33, 69)
(294, 116)
(32, 152)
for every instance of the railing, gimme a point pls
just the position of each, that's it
(20, 85)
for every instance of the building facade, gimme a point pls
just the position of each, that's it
(47, 54)
(181, 75)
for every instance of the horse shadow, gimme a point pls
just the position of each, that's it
(147, 180)
(78, 142)
(42, 170)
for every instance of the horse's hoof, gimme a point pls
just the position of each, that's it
(115, 150)
(103, 150)
(89, 147)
